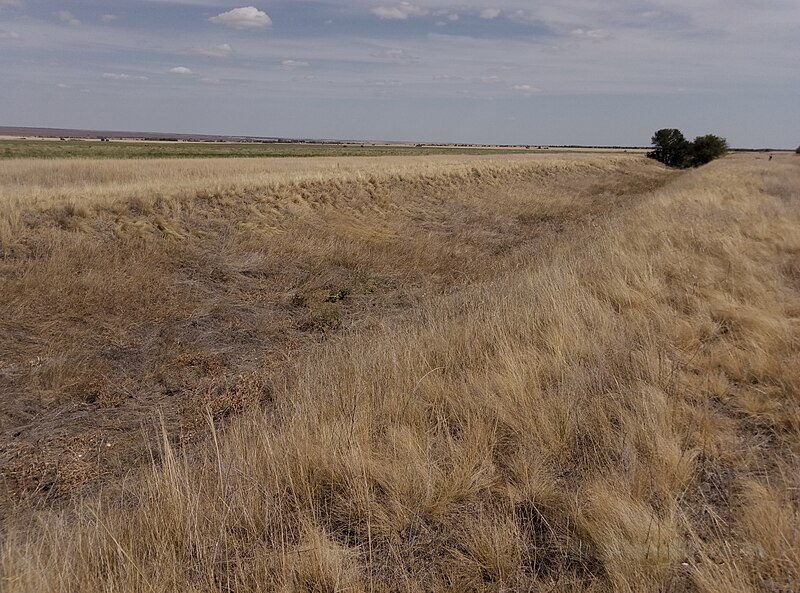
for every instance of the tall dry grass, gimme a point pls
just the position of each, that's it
(608, 403)
(86, 184)
(117, 306)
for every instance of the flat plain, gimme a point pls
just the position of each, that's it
(541, 372)
(121, 149)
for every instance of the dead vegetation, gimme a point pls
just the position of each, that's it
(555, 376)
(116, 310)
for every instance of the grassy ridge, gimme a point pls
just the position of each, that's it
(81, 185)
(48, 149)
(527, 414)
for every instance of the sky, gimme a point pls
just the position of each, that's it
(589, 72)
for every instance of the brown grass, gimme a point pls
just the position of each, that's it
(551, 376)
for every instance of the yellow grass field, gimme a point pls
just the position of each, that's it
(553, 373)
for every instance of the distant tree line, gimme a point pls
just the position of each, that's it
(672, 148)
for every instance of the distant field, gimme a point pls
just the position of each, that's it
(47, 149)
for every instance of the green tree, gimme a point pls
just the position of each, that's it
(706, 148)
(670, 147)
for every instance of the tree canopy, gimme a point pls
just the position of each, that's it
(672, 148)
(706, 148)
(669, 147)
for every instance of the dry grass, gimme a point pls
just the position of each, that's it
(577, 376)
(174, 302)
(87, 184)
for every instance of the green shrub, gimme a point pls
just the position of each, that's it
(671, 148)
(706, 148)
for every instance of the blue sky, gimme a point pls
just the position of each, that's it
(509, 71)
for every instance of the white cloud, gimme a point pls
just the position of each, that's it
(400, 12)
(524, 87)
(8, 35)
(396, 55)
(489, 13)
(108, 18)
(15, 3)
(246, 17)
(117, 76)
(591, 34)
(452, 17)
(222, 50)
(293, 64)
(65, 16)
(181, 70)
(61, 85)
